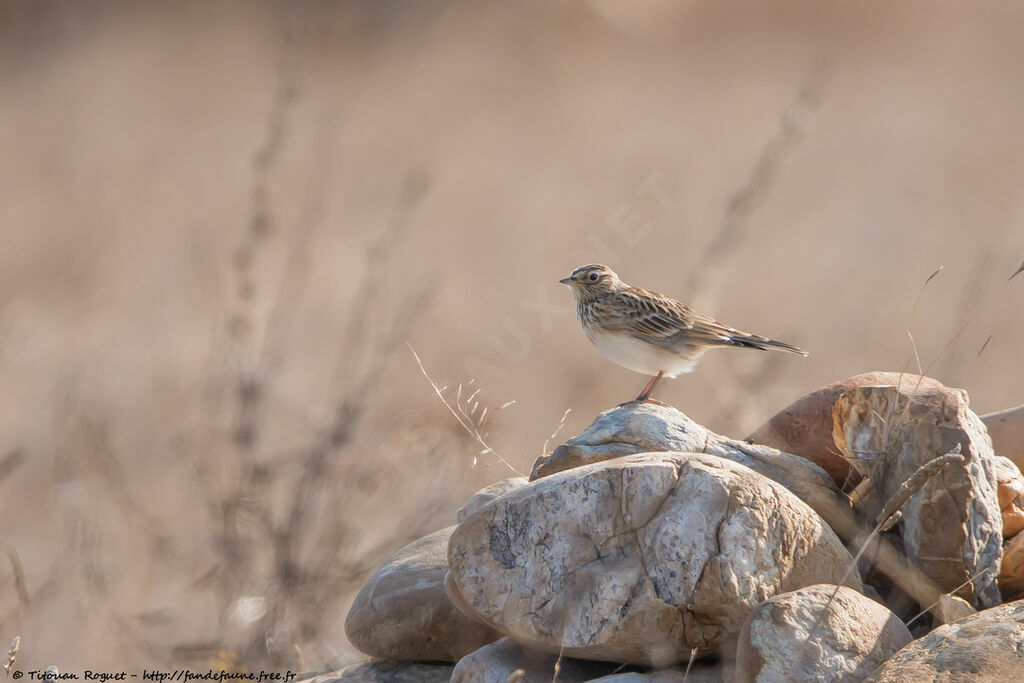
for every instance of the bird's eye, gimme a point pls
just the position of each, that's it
(594, 277)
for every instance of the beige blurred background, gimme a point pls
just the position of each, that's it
(221, 223)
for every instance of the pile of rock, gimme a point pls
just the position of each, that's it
(648, 548)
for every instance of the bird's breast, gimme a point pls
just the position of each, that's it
(638, 355)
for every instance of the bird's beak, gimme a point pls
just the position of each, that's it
(566, 281)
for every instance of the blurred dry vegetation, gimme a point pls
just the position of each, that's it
(221, 223)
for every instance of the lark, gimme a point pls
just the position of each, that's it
(648, 332)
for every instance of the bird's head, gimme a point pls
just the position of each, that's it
(592, 280)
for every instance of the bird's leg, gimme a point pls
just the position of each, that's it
(646, 393)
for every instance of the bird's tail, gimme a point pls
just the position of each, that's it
(755, 341)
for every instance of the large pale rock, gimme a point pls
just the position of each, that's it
(497, 662)
(988, 646)
(403, 613)
(639, 559)
(951, 527)
(808, 635)
(389, 671)
(489, 493)
(1007, 431)
(1010, 490)
(804, 427)
(699, 673)
(650, 427)
(1011, 575)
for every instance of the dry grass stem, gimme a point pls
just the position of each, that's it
(689, 664)
(561, 423)
(914, 483)
(464, 420)
(952, 592)
(709, 273)
(12, 654)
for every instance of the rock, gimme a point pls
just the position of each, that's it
(650, 427)
(951, 608)
(804, 427)
(802, 636)
(1010, 490)
(1011, 575)
(497, 662)
(403, 613)
(489, 493)
(987, 646)
(951, 527)
(389, 671)
(699, 673)
(639, 559)
(1007, 431)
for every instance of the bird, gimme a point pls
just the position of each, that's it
(648, 332)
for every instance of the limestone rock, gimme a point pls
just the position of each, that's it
(988, 646)
(1007, 431)
(489, 493)
(650, 427)
(951, 528)
(802, 636)
(1011, 575)
(951, 608)
(1010, 489)
(497, 662)
(389, 671)
(804, 427)
(699, 673)
(403, 613)
(639, 559)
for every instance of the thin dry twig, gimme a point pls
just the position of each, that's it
(985, 345)
(910, 321)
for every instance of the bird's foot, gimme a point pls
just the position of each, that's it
(637, 401)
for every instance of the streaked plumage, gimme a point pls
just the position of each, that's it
(648, 332)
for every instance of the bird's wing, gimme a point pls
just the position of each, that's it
(661, 318)
(645, 313)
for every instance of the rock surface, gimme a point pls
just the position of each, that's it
(489, 493)
(1007, 431)
(951, 608)
(1011, 575)
(802, 636)
(698, 674)
(988, 646)
(1011, 495)
(648, 427)
(403, 613)
(389, 671)
(639, 559)
(496, 663)
(951, 527)
(804, 427)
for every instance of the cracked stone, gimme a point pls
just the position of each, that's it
(809, 635)
(643, 558)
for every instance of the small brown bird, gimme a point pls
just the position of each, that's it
(648, 332)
